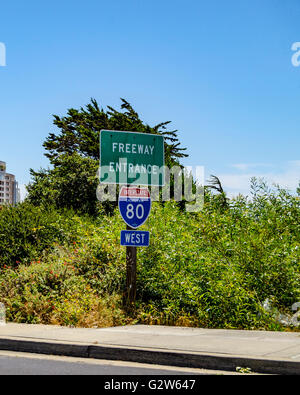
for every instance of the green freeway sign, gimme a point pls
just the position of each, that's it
(131, 158)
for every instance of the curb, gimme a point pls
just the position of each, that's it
(152, 356)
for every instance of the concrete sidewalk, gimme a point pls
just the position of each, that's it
(263, 352)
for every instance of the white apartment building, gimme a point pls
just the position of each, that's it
(9, 190)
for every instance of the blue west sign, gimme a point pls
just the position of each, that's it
(135, 238)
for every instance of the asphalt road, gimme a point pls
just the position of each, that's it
(15, 363)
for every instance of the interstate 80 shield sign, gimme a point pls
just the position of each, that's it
(134, 205)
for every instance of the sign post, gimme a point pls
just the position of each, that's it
(130, 294)
(132, 159)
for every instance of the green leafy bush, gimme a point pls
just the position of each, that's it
(27, 231)
(53, 292)
(220, 265)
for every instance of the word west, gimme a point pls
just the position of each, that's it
(135, 238)
(2, 55)
(296, 57)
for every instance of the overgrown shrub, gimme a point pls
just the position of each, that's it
(212, 269)
(53, 292)
(27, 231)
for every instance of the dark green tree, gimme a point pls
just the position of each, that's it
(80, 131)
(73, 152)
(71, 183)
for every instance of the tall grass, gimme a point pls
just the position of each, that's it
(211, 269)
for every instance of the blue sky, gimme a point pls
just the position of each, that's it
(220, 71)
